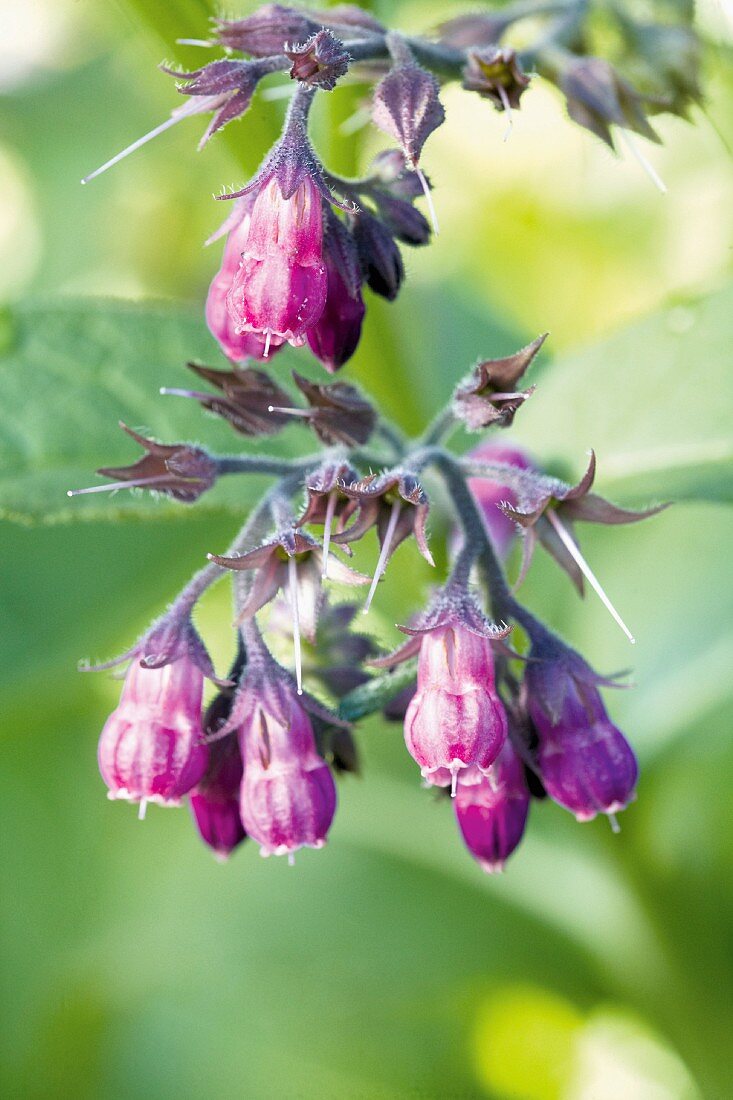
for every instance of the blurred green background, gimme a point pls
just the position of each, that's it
(387, 965)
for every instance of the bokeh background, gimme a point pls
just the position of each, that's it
(387, 965)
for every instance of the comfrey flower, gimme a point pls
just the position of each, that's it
(152, 746)
(492, 810)
(287, 794)
(455, 720)
(215, 799)
(280, 287)
(585, 762)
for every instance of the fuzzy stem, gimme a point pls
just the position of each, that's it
(438, 429)
(264, 464)
(391, 434)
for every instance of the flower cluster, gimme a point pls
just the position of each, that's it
(301, 243)
(497, 710)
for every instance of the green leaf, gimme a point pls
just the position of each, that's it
(653, 400)
(376, 693)
(70, 371)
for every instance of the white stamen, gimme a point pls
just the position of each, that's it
(519, 396)
(194, 42)
(384, 553)
(141, 481)
(291, 859)
(639, 156)
(508, 112)
(293, 591)
(578, 558)
(171, 391)
(289, 412)
(268, 338)
(429, 198)
(454, 778)
(142, 808)
(330, 509)
(196, 105)
(613, 822)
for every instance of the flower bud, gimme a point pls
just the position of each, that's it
(215, 800)
(320, 61)
(266, 31)
(490, 494)
(455, 718)
(151, 748)
(379, 255)
(406, 104)
(402, 219)
(288, 796)
(492, 811)
(584, 761)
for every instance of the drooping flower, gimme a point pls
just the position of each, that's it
(585, 763)
(492, 810)
(279, 289)
(455, 720)
(152, 746)
(406, 105)
(288, 796)
(334, 337)
(215, 799)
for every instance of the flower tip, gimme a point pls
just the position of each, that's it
(490, 868)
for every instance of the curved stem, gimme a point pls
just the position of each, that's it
(391, 434)
(438, 429)
(264, 464)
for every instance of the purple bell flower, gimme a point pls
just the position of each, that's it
(492, 810)
(152, 748)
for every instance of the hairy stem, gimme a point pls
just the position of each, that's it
(265, 464)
